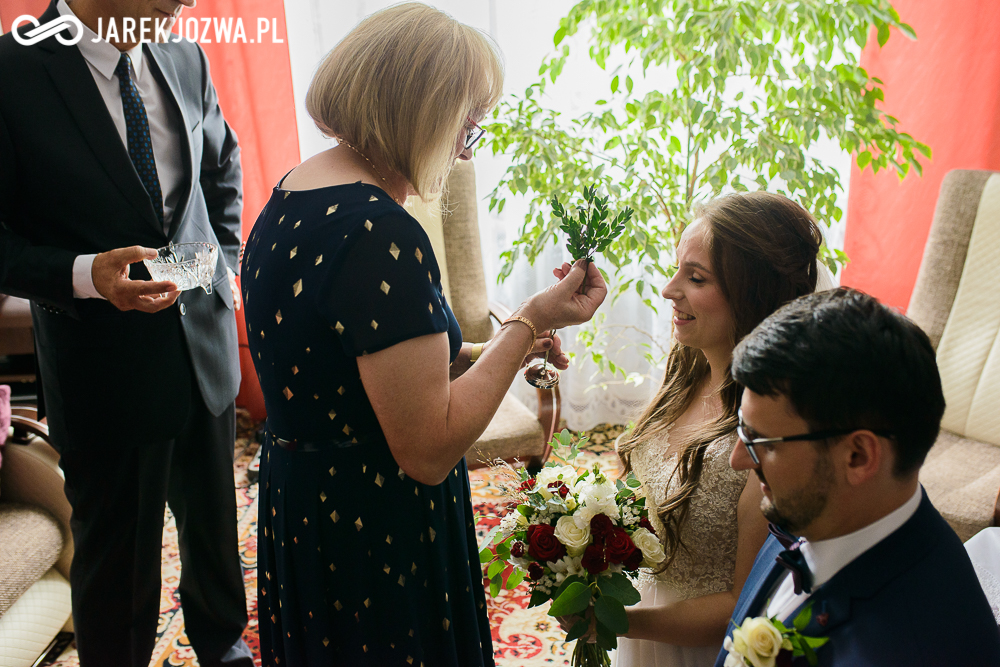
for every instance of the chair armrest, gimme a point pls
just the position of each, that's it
(499, 311)
(549, 400)
(26, 427)
(31, 475)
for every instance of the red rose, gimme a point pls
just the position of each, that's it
(517, 549)
(644, 523)
(620, 546)
(634, 561)
(543, 544)
(600, 526)
(535, 571)
(594, 559)
(559, 488)
(527, 485)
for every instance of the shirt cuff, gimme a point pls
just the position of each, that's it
(83, 278)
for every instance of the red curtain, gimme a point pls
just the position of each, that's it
(945, 90)
(254, 83)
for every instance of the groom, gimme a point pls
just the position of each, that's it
(842, 402)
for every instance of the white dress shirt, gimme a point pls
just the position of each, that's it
(828, 557)
(164, 123)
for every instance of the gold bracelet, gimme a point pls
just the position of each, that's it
(518, 318)
(477, 349)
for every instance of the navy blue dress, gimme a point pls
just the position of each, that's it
(358, 563)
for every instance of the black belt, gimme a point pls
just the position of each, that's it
(297, 445)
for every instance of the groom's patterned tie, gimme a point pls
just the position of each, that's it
(792, 560)
(140, 146)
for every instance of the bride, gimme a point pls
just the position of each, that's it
(744, 256)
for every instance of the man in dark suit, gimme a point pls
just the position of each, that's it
(842, 401)
(106, 151)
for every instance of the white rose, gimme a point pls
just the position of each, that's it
(566, 474)
(649, 545)
(763, 641)
(596, 499)
(574, 537)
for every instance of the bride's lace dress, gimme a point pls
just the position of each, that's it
(710, 533)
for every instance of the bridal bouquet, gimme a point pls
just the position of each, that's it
(575, 535)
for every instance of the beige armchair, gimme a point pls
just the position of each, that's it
(515, 431)
(36, 546)
(956, 301)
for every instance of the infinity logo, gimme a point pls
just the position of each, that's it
(40, 32)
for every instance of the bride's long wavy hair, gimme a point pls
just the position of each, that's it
(763, 251)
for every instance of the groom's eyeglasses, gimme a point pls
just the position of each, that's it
(751, 443)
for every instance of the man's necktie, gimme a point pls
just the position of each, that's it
(140, 146)
(793, 560)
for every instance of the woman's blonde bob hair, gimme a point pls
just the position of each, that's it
(401, 85)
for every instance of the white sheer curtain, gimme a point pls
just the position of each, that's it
(523, 29)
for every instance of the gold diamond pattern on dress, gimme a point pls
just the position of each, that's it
(322, 497)
(337, 605)
(288, 393)
(277, 316)
(373, 198)
(402, 580)
(257, 275)
(379, 479)
(394, 250)
(305, 521)
(433, 533)
(339, 328)
(332, 471)
(319, 259)
(432, 505)
(386, 568)
(374, 325)
(332, 414)
(364, 468)
(326, 642)
(368, 602)
(295, 370)
(411, 632)
(388, 539)
(358, 524)
(297, 224)
(347, 429)
(286, 194)
(368, 225)
(420, 256)
(297, 287)
(385, 287)
(429, 276)
(281, 219)
(409, 658)
(261, 336)
(295, 539)
(430, 308)
(332, 209)
(293, 253)
(445, 624)
(335, 516)
(274, 245)
(401, 473)
(341, 391)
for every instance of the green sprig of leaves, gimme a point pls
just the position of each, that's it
(590, 231)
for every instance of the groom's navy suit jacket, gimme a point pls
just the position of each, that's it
(912, 599)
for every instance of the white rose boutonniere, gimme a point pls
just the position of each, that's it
(759, 641)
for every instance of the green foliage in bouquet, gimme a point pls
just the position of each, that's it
(573, 583)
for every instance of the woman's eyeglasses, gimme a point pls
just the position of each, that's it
(752, 443)
(473, 134)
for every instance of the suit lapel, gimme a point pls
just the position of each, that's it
(762, 579)
(73, 80)
(164, 71)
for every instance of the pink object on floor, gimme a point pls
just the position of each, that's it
(4, 414)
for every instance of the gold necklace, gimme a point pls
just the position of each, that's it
(374, 168)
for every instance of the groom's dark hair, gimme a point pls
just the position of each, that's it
(844, 360)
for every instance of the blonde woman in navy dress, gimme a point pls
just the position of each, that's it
(367, 552)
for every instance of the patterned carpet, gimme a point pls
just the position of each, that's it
(522, 637)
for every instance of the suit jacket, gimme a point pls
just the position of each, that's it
(912, 599)
(68, 187)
